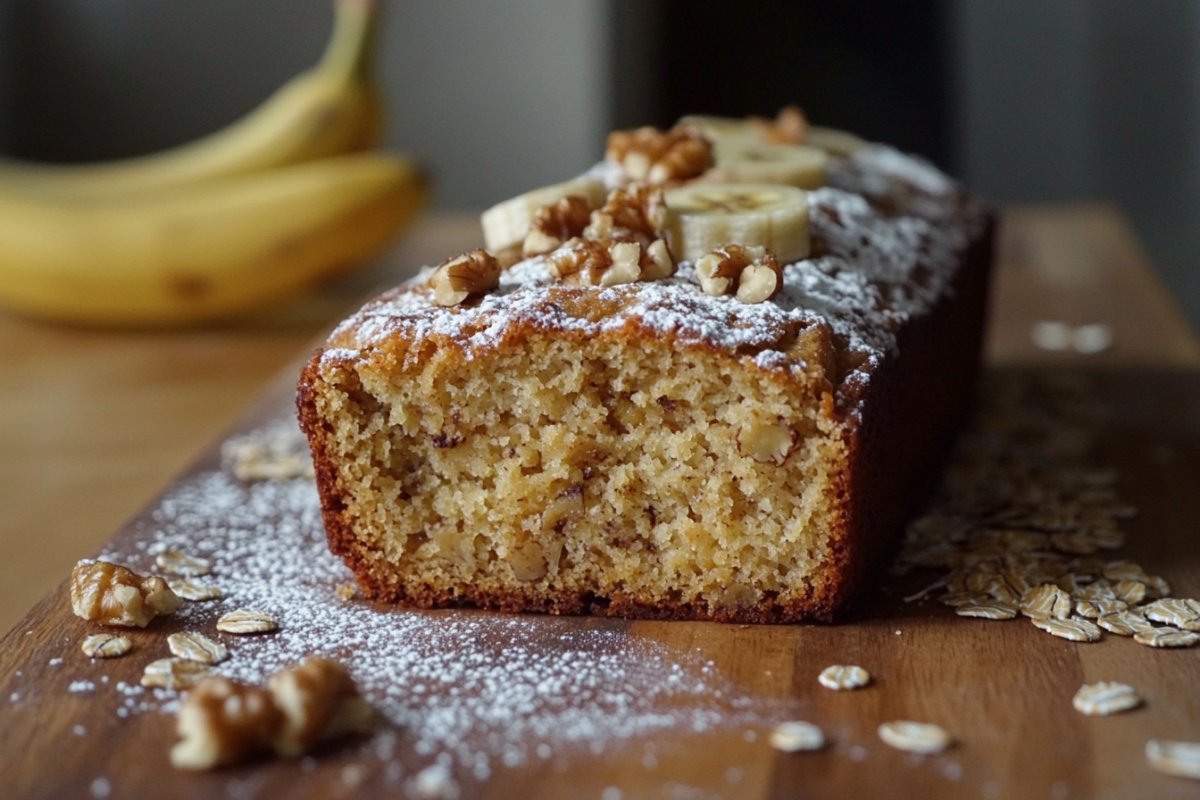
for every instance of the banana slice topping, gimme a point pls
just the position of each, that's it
(740, 161)
(702, 217)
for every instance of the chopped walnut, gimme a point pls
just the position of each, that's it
(115, 595)
(753, 274)
(458, 278)
(223, 721)
(319, 700)
(556, 223)
(584, 262)
(634, 214)
(790, 126)
(653, 156)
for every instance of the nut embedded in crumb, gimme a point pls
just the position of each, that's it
(648, 155)
(556, 223)
(346, 591)
(458, 278)
(752, 274)
(183, 564)
(1181, 759)
(194, 590)
(223, 721)
(1104, 698)
(247, 620)
(197, 647)
(840, 677)
(176, 674)
(105, 645)
(915, 737)
(115, 595)
(766, 442)
(796, 736)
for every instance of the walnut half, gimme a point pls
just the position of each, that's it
(556, 223)
(753, 274)
(222, 721)
(584, 262)
(114, 595)
(648, 155)
(458, 278)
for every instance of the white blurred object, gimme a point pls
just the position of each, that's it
(1059, 336)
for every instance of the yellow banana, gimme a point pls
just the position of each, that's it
(194, 253)
(331, 109)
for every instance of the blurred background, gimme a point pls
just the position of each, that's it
(1026, 100)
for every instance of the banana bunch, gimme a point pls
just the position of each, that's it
(280, 199)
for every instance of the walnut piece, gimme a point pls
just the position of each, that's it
(790, 126)
(766, 442)
(223, 721)
(114, 595)
(753, 274)
(652, 156)
(556, 223)
(636, 214)
(585, 262)
(458, 278)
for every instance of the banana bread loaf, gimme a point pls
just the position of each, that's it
(719, 401)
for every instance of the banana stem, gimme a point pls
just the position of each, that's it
(350, 54)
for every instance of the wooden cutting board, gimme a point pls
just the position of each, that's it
(1003, 689)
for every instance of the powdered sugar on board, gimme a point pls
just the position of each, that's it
(888, 235)
(469, 689)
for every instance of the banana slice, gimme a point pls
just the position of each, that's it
(506, 224)
(701, 217)
(729, 129)
(835, 142)
(740, 161)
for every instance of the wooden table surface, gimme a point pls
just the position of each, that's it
(94, 424)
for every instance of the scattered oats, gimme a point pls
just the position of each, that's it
(105, 645)
(610, 793)
(1097, 591)
(1175, 612)
(101, 788)
(194, 590)
(844, 677)
(1166, 637)
(14, 697)
(197, 647)
(79, 730)
(183, 564)
(1076, 630)
(1079, 544)
(1181, 759)
(956, 599)
(1124, 623)
(1104, 698)
(81, 686)
(54, 662)
(986, 610)
(1047, 600)
(1130, 592)
(1052, 335)
(915, 737)
(246, 620)
(278, 451)
(1092, 339)
(1099, 608)
(173, 673)
(796, 736)
(346, 591)
(1125, 570)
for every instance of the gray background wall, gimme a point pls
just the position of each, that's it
(1057, 99)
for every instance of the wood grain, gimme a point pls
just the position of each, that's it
(98, 420)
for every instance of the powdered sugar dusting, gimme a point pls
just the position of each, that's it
(888, 235)
(473, 689)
